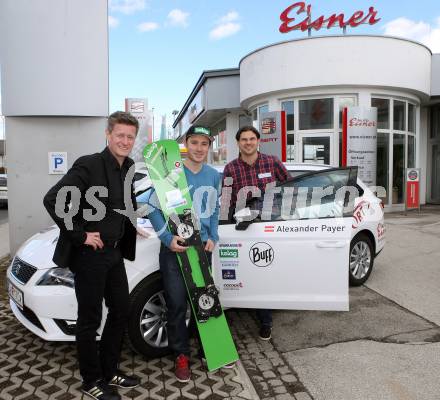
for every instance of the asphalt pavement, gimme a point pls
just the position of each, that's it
(387, 347)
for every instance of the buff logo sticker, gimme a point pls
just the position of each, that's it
(261, 254)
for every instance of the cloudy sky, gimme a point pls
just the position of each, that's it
(158, 49)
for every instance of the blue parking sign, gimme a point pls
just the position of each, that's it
(57, 162)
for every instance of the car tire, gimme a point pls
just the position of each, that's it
(361, 259)
(147, 301)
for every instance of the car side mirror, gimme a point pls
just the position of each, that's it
(242, 225)
(244, 218)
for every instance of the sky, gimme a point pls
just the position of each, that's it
(159, 48)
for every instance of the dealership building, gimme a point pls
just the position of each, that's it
(312, 80)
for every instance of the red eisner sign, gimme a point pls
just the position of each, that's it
(361, 122)
(358, 17)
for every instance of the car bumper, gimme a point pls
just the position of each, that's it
(48, 312)
(51, 332)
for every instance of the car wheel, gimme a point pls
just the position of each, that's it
(361, 259)
(147, 325)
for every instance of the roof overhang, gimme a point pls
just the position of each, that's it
(215, 73)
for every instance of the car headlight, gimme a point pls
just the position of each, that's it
(57, 276)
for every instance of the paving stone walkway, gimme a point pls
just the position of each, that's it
(32, 369)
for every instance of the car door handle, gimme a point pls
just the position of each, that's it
(330, 244)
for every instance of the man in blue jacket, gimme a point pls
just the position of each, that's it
(204, 183)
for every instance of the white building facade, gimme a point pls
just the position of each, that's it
(313, 79)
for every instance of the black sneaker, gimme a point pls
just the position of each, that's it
(123, 381)
(99, 390)
(265, 332)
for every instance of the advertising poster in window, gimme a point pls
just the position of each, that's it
(360, 141)
(273, 138)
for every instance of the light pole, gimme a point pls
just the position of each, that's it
(152, 127)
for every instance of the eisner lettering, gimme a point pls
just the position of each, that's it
(358, 17)
(361, 122)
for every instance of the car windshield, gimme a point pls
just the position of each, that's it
(318, 194)
(142, 198)
(295, 173)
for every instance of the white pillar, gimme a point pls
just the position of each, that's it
(54, 74)
(232, 124)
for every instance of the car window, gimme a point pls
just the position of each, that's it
(138, 176)
(144, 197)
(296, 173)
(320, 194)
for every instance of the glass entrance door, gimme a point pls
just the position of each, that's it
(434, 155)
(435, 173)
(315, 148)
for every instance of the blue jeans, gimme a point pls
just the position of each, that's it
(176, 299)
(265, 317)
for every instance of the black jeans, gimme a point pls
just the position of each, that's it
(100, 275)
(176, 299)
(265, 317)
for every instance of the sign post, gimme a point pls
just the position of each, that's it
(412, 188)
(359, 141)
(273, 134)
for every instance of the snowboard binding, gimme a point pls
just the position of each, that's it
(204, 298)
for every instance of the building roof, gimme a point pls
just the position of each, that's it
(331, 36)
(213, 73)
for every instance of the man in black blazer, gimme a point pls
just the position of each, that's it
(94, 240)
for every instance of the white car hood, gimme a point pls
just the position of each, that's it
(38, 249)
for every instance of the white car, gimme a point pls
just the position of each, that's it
(299, 261)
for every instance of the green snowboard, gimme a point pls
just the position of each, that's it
(165, 168)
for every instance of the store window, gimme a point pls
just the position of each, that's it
(435, 123)
(411, 151)
(256, 112)
(434, 143)
(398, 168)
(383, 151)
(399, 116)
(288, 107)
(342, 103)
(383, 112)
(345, 102)
(290, 151)
(316, 150)
(411, 118)
(316, 114)
(397, 140)
(219, 143)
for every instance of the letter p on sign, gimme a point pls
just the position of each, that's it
(57, 163)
